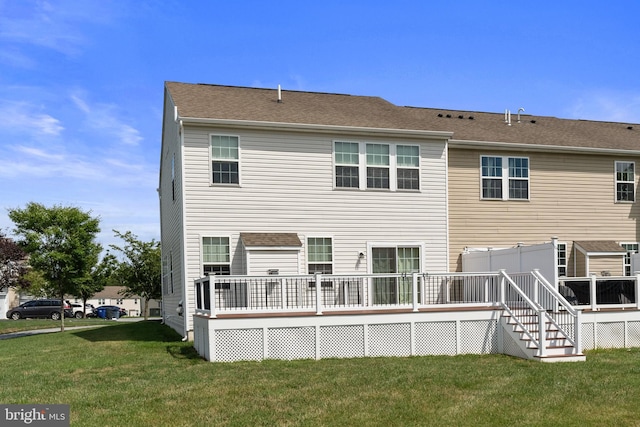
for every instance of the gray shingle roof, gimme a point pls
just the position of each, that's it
(594, 246)
(205, 101)
(270, 239)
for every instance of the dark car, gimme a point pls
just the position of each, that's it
(109, 309)
(39, 308)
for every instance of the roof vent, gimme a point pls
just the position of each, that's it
(630, 127)
(439, 114)
(461, 116)
(279, 94)
(471, 117)
(448, 116)
(533, 121)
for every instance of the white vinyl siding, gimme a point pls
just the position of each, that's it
(288, 186)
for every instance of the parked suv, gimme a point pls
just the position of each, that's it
(79, 313)
(40, 308)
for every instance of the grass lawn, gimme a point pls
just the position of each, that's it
(141, 374)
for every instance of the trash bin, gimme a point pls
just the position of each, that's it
(113, 313)
(102, 312)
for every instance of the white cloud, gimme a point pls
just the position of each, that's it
(607, 105)
(52, 25)
(103, 118)
(23, 117)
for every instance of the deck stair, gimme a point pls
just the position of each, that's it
(523, 329)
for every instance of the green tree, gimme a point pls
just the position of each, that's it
(139, 272)
(61, 245)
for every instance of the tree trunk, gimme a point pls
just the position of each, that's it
(146, 309)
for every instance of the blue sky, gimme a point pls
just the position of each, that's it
(81, 82)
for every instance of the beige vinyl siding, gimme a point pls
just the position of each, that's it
(171, 219)
(572, 196)
(612, 264)
(287, 186)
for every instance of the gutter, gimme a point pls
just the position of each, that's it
(305, 127)
(457, 143)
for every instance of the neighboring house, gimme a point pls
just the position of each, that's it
(9, 299)
(112, 295)
(540, 177)
(263, 181)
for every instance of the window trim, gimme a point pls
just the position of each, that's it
(616, 181)
(203, 263)
(333, 258)
(238, 161)
(363, 166)
(566, 259)
(627, 256)
(505, 178)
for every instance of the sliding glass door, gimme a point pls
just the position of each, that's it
(396, 259)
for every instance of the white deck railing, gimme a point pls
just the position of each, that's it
(275, 293)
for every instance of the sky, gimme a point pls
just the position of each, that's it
(81, 81)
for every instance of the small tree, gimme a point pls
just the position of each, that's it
(140, 271)
(61, 245)
(100, 276)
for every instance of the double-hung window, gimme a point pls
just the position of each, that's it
(408, 167)
(376, 166)
(319, 255)
(625, 181)
(505, 178)
(216, 256)
(225, 159)
(632, 248)
(347, 159)
(562, 259)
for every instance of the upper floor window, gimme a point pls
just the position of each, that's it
(225, 159)
(215, 256)
(377, 166)
(347, 158)
(505, 178)
(319, 255)
(625, 182)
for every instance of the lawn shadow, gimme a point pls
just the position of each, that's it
(147, 330)
(183, 352)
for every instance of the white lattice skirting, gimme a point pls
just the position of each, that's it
(347, 336)
(387, 335)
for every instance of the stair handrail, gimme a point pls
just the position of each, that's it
(577, 339)
(540, 311)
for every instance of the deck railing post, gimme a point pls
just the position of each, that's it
(578, 332)
(542, 331)
(212, 296)
(502, 287)
(637, 274)
(414, 280)
(318, 278)
(592, 292)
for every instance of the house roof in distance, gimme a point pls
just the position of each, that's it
(217, 102)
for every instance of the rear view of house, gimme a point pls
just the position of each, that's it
(263, 181)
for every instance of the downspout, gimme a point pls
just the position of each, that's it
(185, 299)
